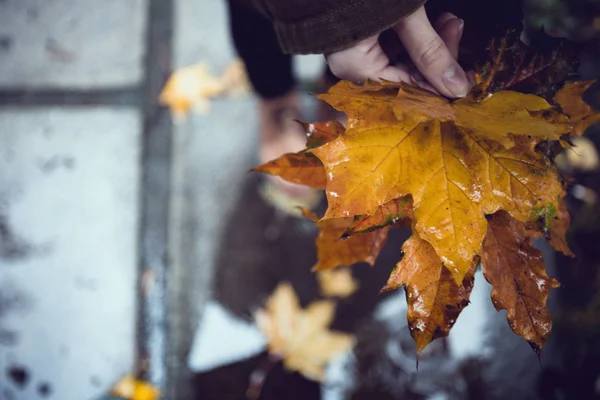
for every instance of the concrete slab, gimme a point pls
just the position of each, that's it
(67, 44)
(69, 188)
(211, 155)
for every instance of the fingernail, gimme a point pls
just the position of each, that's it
(455, 80)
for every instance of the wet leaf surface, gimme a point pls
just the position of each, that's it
(434, 299)
(516, 271)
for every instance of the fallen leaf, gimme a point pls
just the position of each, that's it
(455, 175)
(188, 87)
(192, 87)
(337, 282)
(301, 337)
(434, 299)
(234, 79)
(570, 99)
(520, 285)
(131, 388)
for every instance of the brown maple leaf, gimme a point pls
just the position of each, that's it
(516, 271)
(300, 337)
(404, 141)
(434, 299)
(516, 66)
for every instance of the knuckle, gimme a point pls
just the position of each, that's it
(432, 53)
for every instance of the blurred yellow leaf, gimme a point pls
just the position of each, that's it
(300, 336)
(132, 389)
(337, 282)
(190, 88)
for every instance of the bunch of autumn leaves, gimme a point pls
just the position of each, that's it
(467, 177)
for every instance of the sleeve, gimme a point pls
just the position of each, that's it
(323, 26)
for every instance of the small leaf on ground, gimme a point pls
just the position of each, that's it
(301, 338)
(337, 282)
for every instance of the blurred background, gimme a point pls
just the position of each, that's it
(133, 240)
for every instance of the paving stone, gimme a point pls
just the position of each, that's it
(69, 183)
(70, 44)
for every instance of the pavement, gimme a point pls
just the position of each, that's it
(100, 192)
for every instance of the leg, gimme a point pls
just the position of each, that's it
(269, 70)
(271, 74)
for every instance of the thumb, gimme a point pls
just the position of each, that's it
(431, 56)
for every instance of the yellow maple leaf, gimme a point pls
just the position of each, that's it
(192, 87)
(451, 165)
(301, 337)
(337, 282)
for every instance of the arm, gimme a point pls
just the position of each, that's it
(347, 32)
(325, 26)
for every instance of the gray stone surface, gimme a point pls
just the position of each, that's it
(69, 200)
(71, 44)
(211, 155)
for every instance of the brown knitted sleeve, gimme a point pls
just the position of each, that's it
(323, 26)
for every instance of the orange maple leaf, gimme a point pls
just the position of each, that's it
(471, 175)
(303, 168)
(453, 169)
(334, 250)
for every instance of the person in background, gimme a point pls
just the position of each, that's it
(266, 33)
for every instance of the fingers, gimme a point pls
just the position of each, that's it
(365, 61)
(394, 74)
(430, 54)
(450, 28)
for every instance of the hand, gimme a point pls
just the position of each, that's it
(433, 51)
